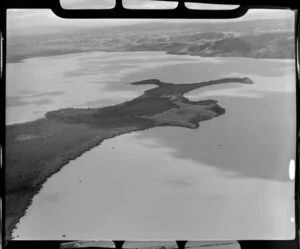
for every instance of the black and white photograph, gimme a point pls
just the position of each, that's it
(151, 245)
(150, 129)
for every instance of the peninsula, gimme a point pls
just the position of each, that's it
(38, 149)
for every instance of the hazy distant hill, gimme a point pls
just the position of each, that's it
(266, 45)
(256, 38)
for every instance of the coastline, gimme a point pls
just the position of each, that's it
(51, 53)
(21, 58)
(20, 201)
(65, 134)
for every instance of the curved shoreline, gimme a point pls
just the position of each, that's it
(38, 149)
(25, 198)
(53, 53)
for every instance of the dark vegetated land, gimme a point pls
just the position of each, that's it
(35, 150)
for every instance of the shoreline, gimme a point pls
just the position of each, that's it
(26, 199)
(22, 58)
(65, 134)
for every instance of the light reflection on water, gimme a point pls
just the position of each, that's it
(110, 193)
(254, 138)
(225, 180)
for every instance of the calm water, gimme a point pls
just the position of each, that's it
(228, 179)
(78, 80)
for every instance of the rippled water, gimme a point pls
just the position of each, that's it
(228, 179)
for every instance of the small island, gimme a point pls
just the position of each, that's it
(38, 149)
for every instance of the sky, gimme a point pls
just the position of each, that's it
(28, 21)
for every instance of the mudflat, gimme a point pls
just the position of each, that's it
(38, 149)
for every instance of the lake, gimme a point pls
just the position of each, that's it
(228, 179)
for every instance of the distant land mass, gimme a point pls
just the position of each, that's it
(273, 39)
(38, 149)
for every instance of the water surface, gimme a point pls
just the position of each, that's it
(228, 179)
